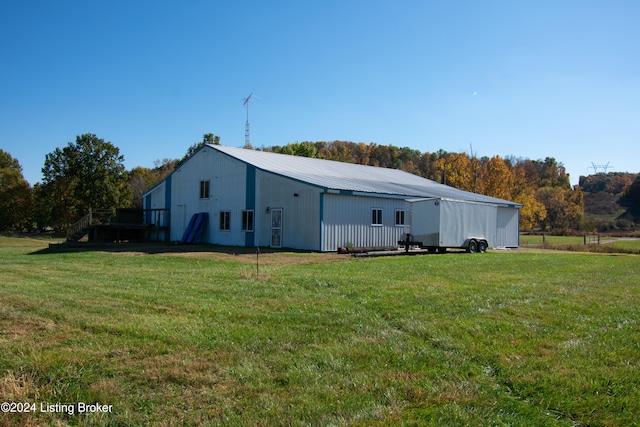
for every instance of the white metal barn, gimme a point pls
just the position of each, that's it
(256, 198)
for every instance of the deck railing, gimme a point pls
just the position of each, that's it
(78, 229)
(156, 218)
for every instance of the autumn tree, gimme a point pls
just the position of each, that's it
(564, 207)
(362, 154)
(340, 151)
(140, 180)
(533, 212)
(497, 179)
(613, 182)
(427, 164)
(631, 196)
(552, 174)
(15, 194)
(458, 171)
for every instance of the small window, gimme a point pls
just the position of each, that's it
(376, 216)
(204, 189)
(225, 219)
(399, 217)
(247, 220)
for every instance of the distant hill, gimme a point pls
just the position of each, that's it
(611, 201)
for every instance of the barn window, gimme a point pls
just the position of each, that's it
(399, 217)
(376, 216)
(204, 189)
(247, 220)
(225, 219)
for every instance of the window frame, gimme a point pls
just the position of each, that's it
(248, 220)
(376, 217)
(205, 189)
(225, 221)
(403, 215)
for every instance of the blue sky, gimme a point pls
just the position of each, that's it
(530, 79)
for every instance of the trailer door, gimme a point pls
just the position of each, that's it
(507, 235)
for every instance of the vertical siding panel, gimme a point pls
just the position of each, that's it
(300, 204)
(507, 228)
(347, 221)
(227, 177)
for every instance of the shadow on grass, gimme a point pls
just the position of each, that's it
(402, 252)
(151, 248)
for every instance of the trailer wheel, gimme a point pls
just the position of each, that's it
(473, 246)
(482, 246)
(431, 249)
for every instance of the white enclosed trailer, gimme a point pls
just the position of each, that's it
(440, 223)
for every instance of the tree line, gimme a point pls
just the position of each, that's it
(90, 173)
(542, 186)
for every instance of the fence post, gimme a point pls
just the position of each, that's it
(585, 238)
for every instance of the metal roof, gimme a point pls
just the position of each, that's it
(349, 177)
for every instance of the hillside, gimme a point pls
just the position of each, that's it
(610, 201)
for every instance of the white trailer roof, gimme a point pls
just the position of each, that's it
(348, 177)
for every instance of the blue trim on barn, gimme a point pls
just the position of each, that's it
(147, 207)
(167, 192)
(250, 203)
(321, 223)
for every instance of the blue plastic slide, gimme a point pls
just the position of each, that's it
(195, 228)
(187, 231)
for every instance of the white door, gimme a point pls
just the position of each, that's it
(276, 228)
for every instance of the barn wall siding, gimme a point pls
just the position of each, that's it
(227, 183)
(300, 204)
(156, 199)
(347, 221)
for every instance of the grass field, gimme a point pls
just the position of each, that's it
(627, 244)
(504, 338)
(576, 243)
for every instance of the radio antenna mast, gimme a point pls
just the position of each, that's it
(246, 125)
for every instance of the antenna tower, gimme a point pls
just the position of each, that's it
(246, 125)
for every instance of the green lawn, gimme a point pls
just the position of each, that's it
(627, 244)
(502, 338)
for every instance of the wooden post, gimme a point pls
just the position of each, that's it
(257, 262)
